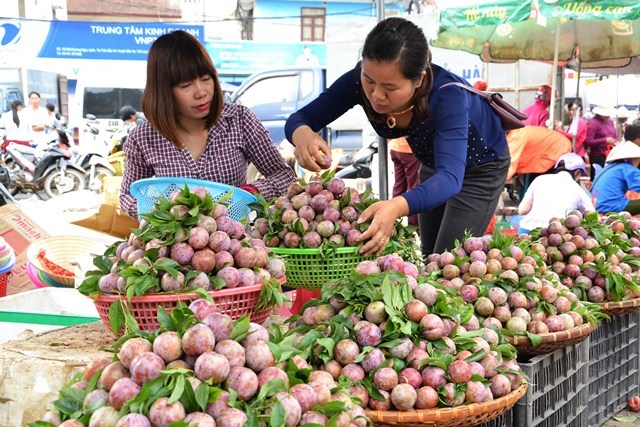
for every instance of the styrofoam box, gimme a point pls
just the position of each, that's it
(44, 309)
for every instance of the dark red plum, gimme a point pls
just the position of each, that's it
(381, 405)
(220, 404)
(212, 366)
(244, 381)
(256, 332)
(104, 416)
(353, 372)
(94, 366)
(200, 419)
(369, 335)
(313, 417)
(346, 351)
(202, 308)
(233, 351)
(432, 327)
(220, 324)
(123, 390)
(433, 376)
(204, 260)
(168, 346)
(230, 276)
(98, 397)
(162, 414)
(372, 360)
(416, 356)
(426, 398)
(410, 376)
(146, 367)
(259, 356)
(385, 379)
(231, 417)
(305, 395)
(272, 373)
(198, 339)
(112, 373)
(334, 368)
(402, 350)
(403, 397)
(134, 420)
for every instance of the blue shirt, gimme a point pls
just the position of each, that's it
(462, 131)
(612, 183)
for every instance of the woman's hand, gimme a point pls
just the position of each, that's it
(383, 215)
(312, 152)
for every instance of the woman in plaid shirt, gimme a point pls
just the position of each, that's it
(191, 132)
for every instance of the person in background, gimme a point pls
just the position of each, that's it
(601, 135)
(622, 116)
(191, 132)
(534, 151)
(454, 133)
(632, 132)
(36, 118)
(620, 175)
(15, 127)
(576, 128)
(405, 170)
(555, 195)
(53, 121)
(538, 112)
(128, 115)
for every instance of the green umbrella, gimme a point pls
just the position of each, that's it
(596, 33)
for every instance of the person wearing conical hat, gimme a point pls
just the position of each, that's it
(620, 175)
(622, 117)
(601, 134)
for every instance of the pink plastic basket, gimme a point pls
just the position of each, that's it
(234, 302)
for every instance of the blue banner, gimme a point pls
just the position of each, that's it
(246, 57)
(102, 40)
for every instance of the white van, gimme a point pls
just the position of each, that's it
(104, 92)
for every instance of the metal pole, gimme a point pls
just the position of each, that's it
(383, 178)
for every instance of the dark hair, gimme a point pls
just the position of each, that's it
(33, 92)
(127, 112)
(175, 58)
(14, 109)
(632, 131)
(396, 39)
(575, 173)
(49, 106)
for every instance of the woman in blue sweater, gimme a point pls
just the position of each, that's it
(454, 133)
(620, 175)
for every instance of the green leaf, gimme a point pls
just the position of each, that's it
(277, 415)
(240, 329)
(625, 419)
(116, 316)
(177, 390)
(534, 338)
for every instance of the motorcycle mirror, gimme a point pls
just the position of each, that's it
(90, 117)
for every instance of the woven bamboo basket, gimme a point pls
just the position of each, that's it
(551, 341)
(617, 308)
(458, 416)
(64, 251)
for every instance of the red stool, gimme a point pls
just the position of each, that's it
(302, 296)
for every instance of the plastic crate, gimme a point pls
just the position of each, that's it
(146, 191)
(558, 392)
(613, 366)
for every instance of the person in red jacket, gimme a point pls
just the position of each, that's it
(538, 112)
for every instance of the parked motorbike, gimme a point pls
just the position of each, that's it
(360, 163)
(51, 169)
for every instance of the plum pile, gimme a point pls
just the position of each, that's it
(401, 342)
(596, 256)
(202, 368)
(510, 286)
(188, 241)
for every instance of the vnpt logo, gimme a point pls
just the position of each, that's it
(10, 34)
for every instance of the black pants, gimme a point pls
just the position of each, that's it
(471, 209)
(596, 160)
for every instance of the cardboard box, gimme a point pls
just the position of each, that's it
(110, 220)
(19, 230)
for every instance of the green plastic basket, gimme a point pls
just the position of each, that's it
(309, 269)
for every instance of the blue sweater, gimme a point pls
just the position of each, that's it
(612, 183)
(462, 131)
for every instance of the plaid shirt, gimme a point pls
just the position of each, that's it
(236, 140)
